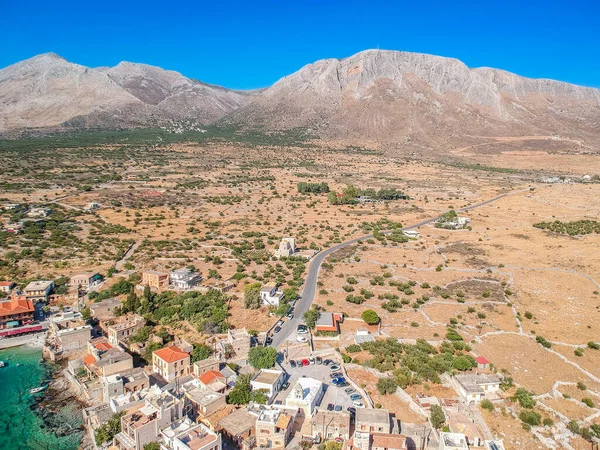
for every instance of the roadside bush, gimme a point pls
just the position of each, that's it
(353, 348)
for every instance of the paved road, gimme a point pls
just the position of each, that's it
(310, 286)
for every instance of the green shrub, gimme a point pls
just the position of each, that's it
(386, 386)
(370, 317)
(486, 404)
(588, 402)
(530, 417)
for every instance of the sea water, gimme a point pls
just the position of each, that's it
(22, 422)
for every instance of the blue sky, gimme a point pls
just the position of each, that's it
(251, 44)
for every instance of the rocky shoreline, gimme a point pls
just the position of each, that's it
(59, 407)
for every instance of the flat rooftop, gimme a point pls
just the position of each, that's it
(267, 376)
(40, 285)
(368, 415)
(238, 422)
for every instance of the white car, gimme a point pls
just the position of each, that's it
(301, 338)
(358, 404)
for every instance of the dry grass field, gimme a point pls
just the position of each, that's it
(223, 207)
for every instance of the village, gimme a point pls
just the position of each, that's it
(239, 392)
(285, 308)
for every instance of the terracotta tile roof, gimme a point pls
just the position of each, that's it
(6, 283)
(482, 360)
(17, 305)
(389, 441)
(171, 354)
(89, 359)
(103, 346)
(210, 376)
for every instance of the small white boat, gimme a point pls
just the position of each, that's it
(37, 389)
(2, 364)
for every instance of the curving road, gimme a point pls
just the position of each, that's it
(310, 287)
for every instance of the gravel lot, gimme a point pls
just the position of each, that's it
(333, 394)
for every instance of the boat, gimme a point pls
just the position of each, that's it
(37, 389)
(3, 364)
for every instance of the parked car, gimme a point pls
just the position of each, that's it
(301, 338)
(285, 385)
(334, 368)
(279, 322)
(350, 391)
(311, 360)
(343, 384)
(327, 362)
(278, 402)
(338, 407)
(293, 363)
(290, 315)
(305, 362)
(355, 397)
(335, 375)
(319, 360)
(268, 341)
(299, 363)
(358, 404)
(330, 407)
(277, 329)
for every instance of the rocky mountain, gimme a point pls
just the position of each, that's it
(48, 91)
(410, 97)
(404, 98)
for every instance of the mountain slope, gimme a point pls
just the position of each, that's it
(47, 91)
(403, 96)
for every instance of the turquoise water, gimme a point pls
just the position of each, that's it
(23, 425)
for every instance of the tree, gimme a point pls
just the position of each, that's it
(524, 397)
(386, 386)
(462, 363)
(252, 296)
(201, 352)
(109, 430)
(240, 394)
(262, 357)
(370, 317)
(85, 313)
(152, 446)
(333, 445)
(310, 317)
(437, 416)
(530, 417)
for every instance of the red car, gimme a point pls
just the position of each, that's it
(305, 362)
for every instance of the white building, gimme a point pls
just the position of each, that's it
(184, 434)
(184, 279)
(269, 379)
(453, 441)
(270, 294)
(307, 394)
(412, 234)
(39, 212)
(287, 247)
(92, 206)
(474, 388)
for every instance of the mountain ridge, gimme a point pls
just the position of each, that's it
(376, 94)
